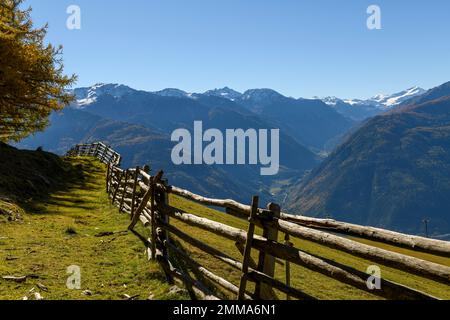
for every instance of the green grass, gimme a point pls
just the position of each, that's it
(60, 232)
(308, 281)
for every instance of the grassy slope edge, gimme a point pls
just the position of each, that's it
(59, 231)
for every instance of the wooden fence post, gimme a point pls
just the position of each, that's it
(119, 180)
(140, 208)
(248, 248)
(266, 262)
(133, 196)
(108, 177)
(161, 238)
(147, 169)
(103, 157)
(165, 217)
(288, 264)
(153, 217)
(127, 173)
(96, 149)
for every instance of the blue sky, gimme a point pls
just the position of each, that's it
(299, 48)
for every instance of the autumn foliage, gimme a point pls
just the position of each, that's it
(32, 82)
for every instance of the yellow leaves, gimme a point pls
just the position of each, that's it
(32, 83)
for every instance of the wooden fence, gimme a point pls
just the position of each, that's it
(99, 150)
(146, 199)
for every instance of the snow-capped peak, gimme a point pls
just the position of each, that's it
(367, 102)
(335, 101)
(261, 95)
(226, 93)
(331, 101)
(379, 101)
(171, 92)
(86, 96)
(389, 101)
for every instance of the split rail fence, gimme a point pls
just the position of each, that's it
(99, 150)
(146, 199)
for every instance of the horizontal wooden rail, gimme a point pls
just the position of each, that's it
(437, 247)
(205, 272)
(414, 265)
(392, 259)
(240, 210)
(346, 275)
(145, 198)
(253, 274)
(354, 278)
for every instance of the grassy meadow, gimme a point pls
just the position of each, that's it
(62, 230)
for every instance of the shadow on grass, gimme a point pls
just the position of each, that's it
(34, 179)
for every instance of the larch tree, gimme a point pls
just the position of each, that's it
(32, 81)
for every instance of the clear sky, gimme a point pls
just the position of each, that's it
(301, 48)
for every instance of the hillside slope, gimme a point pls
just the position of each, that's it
(29, 175)
(61, 230)
(394, 172)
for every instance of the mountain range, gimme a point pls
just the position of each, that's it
(256, 99)
(362, 161)
(139, 124)
(358, 109)
(311, 122)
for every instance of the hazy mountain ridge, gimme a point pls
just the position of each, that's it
(310, 122)
(139, 124)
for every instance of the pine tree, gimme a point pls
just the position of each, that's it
(32, 82)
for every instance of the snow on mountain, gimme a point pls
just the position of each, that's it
(386, 101)
(334, 102)
(86, 96)
(261, 95)
(171, 92)
(358, 109)
(380, 101)
(354, 102)
(389, 101)
(226, 93)
(255, 97)
(331, 101)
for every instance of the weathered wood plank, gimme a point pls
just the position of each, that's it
(248, 249)
(392, 259)
(254, 275)
(205, 272)
(416, 243)
(296, 256)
